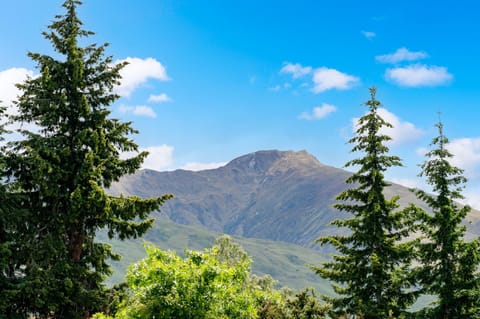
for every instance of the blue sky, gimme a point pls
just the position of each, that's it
(210, 81)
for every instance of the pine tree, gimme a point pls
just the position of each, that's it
(9, 217)
(371, 266)
(449, 263)
(5, 251)
(63, 168)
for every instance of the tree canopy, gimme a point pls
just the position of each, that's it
(214, 283)
(62, 167)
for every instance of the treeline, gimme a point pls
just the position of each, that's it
(53, 203)
(393, 255)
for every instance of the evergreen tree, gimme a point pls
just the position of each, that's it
(371, 266)
(449, 263)
(9, 217)
(63, 167)
(5, 252)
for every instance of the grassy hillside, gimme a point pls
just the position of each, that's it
(286, 262)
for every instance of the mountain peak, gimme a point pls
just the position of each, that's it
(274, 160)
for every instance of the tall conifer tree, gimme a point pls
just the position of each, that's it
(63, 168)
(10, 215)
(449, 263)
(370, 268)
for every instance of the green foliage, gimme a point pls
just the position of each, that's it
(10, 215)
(305, 305)
(62, 167)
(372, 264)
(449, 264)
(164, 285)
(215, 283)
(301, 305)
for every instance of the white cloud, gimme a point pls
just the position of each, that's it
(466, 153)
(318, 112)
(9, 93)
(159, 157)
(138, 110)
(161, 98)
(8, 79)
(137, 72)
(326, 79)
(419, 75)
(471, 198)
(369, 34)
(402, 54)
(195, 166)
(401, 132)
(296, 70)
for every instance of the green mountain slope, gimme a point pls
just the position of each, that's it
(285, 262)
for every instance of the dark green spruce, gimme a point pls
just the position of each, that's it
(5, 234)
(370, 268)
(450, 264)
(62, 166)
(10, 216)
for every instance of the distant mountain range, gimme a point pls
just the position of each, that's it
(275, 195)
(274, 203)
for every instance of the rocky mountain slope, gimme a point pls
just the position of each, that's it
(275, 195)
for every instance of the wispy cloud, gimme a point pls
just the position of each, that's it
(278, 87)
(296, 70)
(369, 34)
(139, 71)
(161, 98)
(318, 112)
(419, 75)
(138, 110)
(275, 88)
(402, 54)
(325, 79)
(195, 166)
(401, 132)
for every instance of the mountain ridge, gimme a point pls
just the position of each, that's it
(270, 194)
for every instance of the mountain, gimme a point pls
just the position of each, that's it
(275, 195)
(274, 203)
